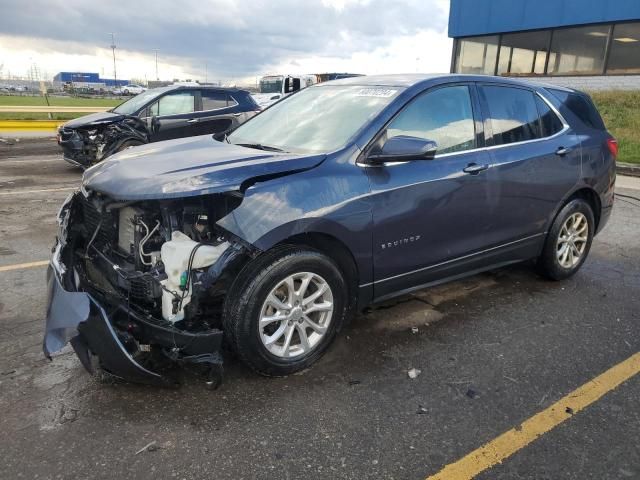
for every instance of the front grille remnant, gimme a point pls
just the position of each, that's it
(91, 217)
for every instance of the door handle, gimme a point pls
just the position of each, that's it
(193, 120)
(474, 168)
(562, 151)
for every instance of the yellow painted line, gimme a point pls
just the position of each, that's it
(29, 124)
(21, 266)
(502, 447)
(26, 192)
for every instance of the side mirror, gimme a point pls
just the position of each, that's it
(403, 148)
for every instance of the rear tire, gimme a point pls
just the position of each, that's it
(284, 310)
(568, 241)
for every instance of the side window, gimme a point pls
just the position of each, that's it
(444, 115)
(174, 104)
(213, 100)
(231, 102)
(513, 115)
(581, 106)
(549, 121)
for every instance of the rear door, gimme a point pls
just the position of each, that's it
(218, 113)
(173, 115)
(535, 159)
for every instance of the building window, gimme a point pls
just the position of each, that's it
(624, 56)
(477, 55)
(578, 51)
(523, 53)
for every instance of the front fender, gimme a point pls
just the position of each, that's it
(333, 199)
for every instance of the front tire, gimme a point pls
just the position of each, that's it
(284, 310)
(568, 241)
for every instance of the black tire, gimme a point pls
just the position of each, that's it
(548, 263)
(248, 293)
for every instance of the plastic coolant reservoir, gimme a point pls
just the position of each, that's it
(175, 256)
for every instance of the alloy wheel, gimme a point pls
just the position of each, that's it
(572, 240)
(296, 315)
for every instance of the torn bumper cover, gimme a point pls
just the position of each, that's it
(114, 337)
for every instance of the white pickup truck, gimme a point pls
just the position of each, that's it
(275, 87)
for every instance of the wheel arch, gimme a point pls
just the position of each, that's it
(335, 249)
(585, 193)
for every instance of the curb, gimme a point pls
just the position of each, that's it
(630, 169)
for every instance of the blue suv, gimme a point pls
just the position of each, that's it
(345, 194)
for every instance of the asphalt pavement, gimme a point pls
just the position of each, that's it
(493, 350)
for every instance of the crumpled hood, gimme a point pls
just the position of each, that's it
(188, 167)
(94, 119)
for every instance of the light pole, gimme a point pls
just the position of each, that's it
(113, 49)
(157, 77)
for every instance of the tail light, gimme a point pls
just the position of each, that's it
(612, 145)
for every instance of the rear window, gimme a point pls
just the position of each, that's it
(549, 121)
(513, 114)
(581, 106)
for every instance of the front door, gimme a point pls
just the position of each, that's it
(173, 115)
(430, 216)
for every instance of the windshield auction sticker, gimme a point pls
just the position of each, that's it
(376, 92)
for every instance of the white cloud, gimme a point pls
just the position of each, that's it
(425, 52)
(233, 39)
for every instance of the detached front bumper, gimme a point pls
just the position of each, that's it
(121, 341)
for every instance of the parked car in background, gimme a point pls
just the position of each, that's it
(348, 193)
(157, 114)
(131, 89)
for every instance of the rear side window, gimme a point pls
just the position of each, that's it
(513, 115)
(216, 100)
(549, 121)
(581, 106)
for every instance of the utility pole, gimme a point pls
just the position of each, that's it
(157, 77)
(205, 72)
(113, 49)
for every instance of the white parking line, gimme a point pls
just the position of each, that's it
(21, 266)
(26, 192)
(30, 160)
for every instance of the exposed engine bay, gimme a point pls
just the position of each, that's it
(158, 270)
(90, 144)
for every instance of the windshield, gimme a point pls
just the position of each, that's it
(131, 106)
(316, 119)
(271, 85)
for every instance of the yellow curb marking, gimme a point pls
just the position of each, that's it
(510, 442)
(20, 266)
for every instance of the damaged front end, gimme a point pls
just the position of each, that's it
(137, 287)
(91, 143)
